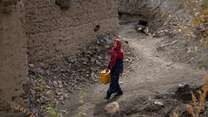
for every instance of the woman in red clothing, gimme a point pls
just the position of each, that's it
(116, 67)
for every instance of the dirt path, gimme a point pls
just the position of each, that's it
(152, 74)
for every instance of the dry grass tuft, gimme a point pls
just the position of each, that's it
(197, 106)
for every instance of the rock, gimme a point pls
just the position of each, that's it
(154, 106)
(142, 26)
(99, 57)
(61, 98)
(49, 92)
(184, 92)
(158, 103)
(66, 95)
(92, 60)
(44, 66)
(60, 84)
(55, 83)
(112, 108)
(39, 70)
(104, 39)
(31, 65)
(59, 92)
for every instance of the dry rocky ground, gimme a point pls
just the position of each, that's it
(52, 84)
(158, 86)
(162, 69)
(169, 64)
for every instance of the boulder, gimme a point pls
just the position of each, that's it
(112, 108)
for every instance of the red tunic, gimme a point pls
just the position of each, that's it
(116, 54)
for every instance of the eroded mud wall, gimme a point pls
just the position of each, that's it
(13, 59)
(53, 32)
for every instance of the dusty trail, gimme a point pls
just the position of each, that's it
(152, 74)
(154, 68)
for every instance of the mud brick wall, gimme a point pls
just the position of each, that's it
(13, 57)
(53, 32)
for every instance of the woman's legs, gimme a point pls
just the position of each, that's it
(114, 85)
(108, 94)
(119, 91)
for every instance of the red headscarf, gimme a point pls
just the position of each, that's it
(117, 44)
(117, 53)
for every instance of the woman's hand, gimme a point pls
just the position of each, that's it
(108, 70)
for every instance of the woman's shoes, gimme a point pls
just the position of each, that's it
(119, 93)
(107, 97)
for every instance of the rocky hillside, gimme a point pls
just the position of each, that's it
(155, 11)
(172, 20)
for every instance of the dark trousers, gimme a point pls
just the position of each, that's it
(114, 84)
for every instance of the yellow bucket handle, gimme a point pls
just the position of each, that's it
(107, 71)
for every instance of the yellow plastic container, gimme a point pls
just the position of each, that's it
(105, 77)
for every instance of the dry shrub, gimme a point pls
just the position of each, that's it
(199, 11)
(19, 108)
(205, 4)
(198, 103)
(200, 22)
